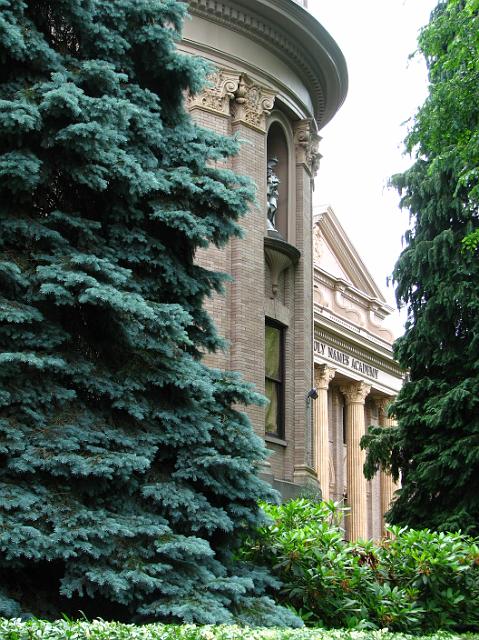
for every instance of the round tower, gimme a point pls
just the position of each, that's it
(277, 78)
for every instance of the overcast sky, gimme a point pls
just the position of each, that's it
(362, 146)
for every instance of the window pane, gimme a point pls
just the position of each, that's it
(272, 393)
(273, 353)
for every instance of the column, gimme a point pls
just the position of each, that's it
(388, 486)
(355, 394)
(322, 377)
(299, 233)
(250, 108)
(211, 108)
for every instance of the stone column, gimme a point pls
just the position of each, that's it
(322, 377)
(388, 486)
(355, 394)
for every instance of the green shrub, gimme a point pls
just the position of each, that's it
(418, 581)
(100, 630)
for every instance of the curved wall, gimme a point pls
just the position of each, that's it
(278, 77)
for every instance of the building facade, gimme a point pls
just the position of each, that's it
(355, 375)
(278, 78)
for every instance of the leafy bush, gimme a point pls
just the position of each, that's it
(100, 630)
(418, 581)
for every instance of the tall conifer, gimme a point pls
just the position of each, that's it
(436, 445)
(127, 476)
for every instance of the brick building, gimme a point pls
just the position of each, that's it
(279, 78)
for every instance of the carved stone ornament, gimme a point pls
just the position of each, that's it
(217, 96)
(252, 104)
(323, 376)
(382, 405)
(306, 142)
(355, 392)
(318, 244)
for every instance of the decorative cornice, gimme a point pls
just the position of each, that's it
(252, 104)
(328, 319)
(351, 291)
(306, 143)
(292, 34)
(355, 392)
(217, 95)
(349, 259)
(323, 376)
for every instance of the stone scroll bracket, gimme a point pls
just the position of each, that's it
(306, 142)
(233, 94)
(252, 104)
(216, 97)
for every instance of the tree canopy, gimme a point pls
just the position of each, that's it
(127, 473)
(435, 446)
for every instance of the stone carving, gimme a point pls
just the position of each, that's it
(375, 321)
(318, 245)
(258, 28)
(306, 143)
(272, 193)
(382, 405)
(355, 392)
(323, 376)
(218, 95)
(252, 104)
(345, 305)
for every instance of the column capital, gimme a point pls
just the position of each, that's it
(217, 95)
(323, 374)
(306, 143)
(252, 104)
(355, 392)
(382, 405)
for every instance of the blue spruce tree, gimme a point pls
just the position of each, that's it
(127, 477)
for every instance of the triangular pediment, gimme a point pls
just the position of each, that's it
(334, 254)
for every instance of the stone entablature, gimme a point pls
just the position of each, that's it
(357, 362)
(347, 326)
(312, 73)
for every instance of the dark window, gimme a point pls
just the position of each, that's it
(274, 378)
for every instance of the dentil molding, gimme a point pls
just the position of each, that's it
(293, 35)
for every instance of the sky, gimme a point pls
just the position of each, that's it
(363, 145)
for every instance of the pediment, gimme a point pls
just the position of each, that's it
(335, 254)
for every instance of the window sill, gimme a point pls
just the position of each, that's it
(275, 440)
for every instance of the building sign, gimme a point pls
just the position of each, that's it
(344, 359)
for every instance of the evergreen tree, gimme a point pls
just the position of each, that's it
(436, 443)
(127, 475)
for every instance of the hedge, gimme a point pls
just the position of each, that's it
(15, 629)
